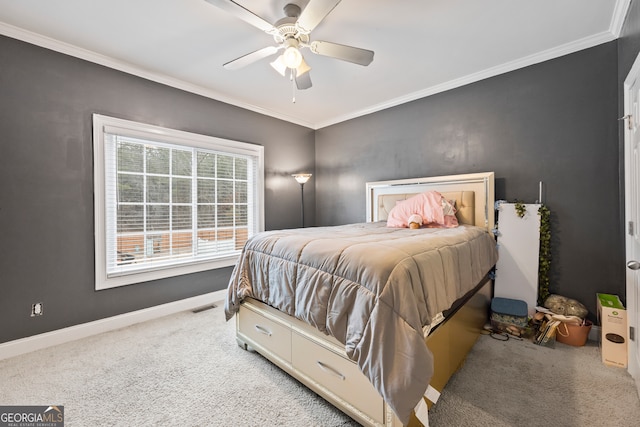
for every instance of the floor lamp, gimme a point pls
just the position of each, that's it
(302, 178)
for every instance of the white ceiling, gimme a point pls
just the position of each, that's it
(421, 46)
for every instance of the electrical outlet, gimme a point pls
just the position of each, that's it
(37, 309)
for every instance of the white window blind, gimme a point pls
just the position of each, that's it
(171, 202)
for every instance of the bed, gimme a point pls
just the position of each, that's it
(371, 317)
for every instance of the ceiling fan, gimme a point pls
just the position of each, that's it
(292, 33)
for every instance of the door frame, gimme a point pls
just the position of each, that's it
(631, 290)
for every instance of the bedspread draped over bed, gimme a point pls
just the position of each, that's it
(371, 287)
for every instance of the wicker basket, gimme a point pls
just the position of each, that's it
(571, 334)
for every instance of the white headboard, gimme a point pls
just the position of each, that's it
(480, 184)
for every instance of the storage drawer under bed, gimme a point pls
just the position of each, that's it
(338, 374)
(265, 332)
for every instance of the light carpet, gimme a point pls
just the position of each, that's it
(187, 370)
(518, 383)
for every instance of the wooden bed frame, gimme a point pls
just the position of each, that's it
(320, 361)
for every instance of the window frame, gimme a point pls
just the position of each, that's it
(110, 125)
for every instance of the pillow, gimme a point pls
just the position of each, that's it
(430, 205)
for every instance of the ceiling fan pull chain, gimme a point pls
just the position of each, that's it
(293, 87)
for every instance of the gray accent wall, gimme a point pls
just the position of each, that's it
(554, 122)
(46, 182)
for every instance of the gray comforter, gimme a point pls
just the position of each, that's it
(371, 287)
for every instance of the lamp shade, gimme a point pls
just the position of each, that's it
(302, 177)
(302, 68)
(292, 57)
(279, 65)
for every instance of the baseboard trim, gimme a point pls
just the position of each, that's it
(72, 333)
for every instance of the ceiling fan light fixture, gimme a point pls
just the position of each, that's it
(290, 34)
(292, 57)
(302, 68)
(279, 65)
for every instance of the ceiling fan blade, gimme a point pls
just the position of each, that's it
(250, 58)
(340, 51)
(314, 13)
(245, 14)
(303, 81)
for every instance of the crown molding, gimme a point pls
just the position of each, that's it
(556, 52)
(96, 58)
(619, 15)
(568, 48)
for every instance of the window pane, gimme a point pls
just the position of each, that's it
(130, 157)
(225, 166)
(206, 216)
(129, 248)
(207, 245)
(130, 188)
(225, 191)
(225, 216)
(241, 168)
(206, 165)
(156, 246)
(182, 244)
(130, 218)
(157, 160)
(225, 240)
(181, 191)
(206, 191)
(181, 163)
(241, 192)
(181, 218)
(157, 217)
(241, 215)
(158, 189)
(242, 235)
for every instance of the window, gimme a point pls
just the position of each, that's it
(169, 202)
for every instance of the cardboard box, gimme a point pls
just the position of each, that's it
(612, 317)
